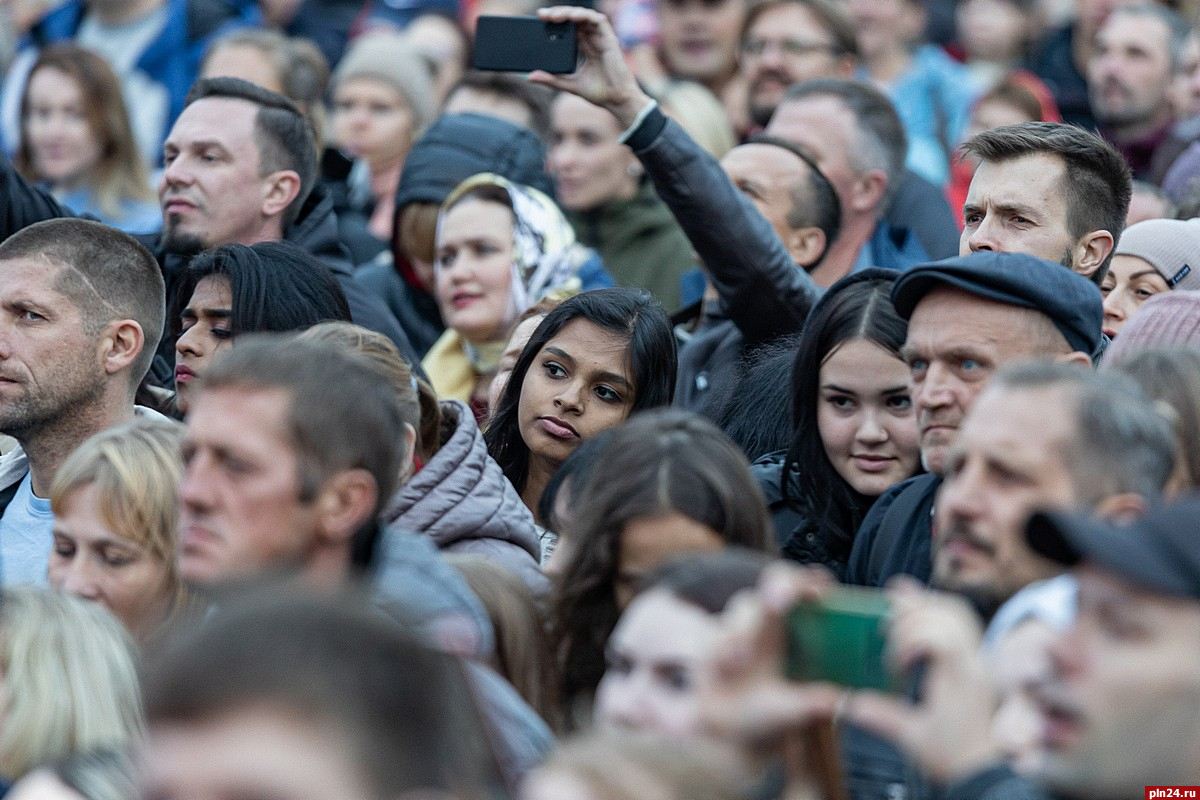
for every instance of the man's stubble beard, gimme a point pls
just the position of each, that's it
(182, 244)
(31, 413)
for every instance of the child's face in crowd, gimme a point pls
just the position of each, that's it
(93, 562)
(865, 416)
(207, 331)
(474, 268)
(654, 656)
(578, 385)
(1130, 282)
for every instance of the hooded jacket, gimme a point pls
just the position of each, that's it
(455, 147)
(462, 500)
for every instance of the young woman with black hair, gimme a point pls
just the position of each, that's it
(235, 289)
(854, 429)
(593, 361)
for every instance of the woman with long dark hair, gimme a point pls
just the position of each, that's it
(236, 289)
(668, 483)
(854, 429)
(593, 361)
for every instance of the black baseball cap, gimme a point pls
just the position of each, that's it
(1160, 551)
(1072, 302)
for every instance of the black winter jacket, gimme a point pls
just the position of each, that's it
(896, 538)
(764, 295)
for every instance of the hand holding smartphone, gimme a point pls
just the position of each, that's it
(841, 639)
(525, 44)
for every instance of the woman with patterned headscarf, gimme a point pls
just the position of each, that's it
(501, 247)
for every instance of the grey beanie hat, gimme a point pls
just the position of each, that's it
(389, 57)
(1168, 245)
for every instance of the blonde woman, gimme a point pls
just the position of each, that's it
(116, 521)
(70, 679)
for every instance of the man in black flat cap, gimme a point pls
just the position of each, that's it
(968, 316)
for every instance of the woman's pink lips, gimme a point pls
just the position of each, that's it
(463, 300)
(184, 374)
(869, 463)
(557, 428)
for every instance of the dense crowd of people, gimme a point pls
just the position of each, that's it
(799, 400)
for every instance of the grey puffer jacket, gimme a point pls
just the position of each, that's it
(462, 500)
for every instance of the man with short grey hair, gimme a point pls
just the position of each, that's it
(81, 311)
(853, 133)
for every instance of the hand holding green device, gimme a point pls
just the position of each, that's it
(841, 639)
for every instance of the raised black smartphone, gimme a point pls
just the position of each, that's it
(523, 44)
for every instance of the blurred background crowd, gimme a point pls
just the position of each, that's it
(378, 427)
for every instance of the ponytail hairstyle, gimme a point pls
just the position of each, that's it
(419, 404)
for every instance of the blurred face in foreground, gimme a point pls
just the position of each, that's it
(255, 752)
(654, 656)
(240, 499)
(1006, 463)
(1119, 708)
(92, 561)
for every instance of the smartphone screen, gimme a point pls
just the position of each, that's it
(523, 44)
(841, 639)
